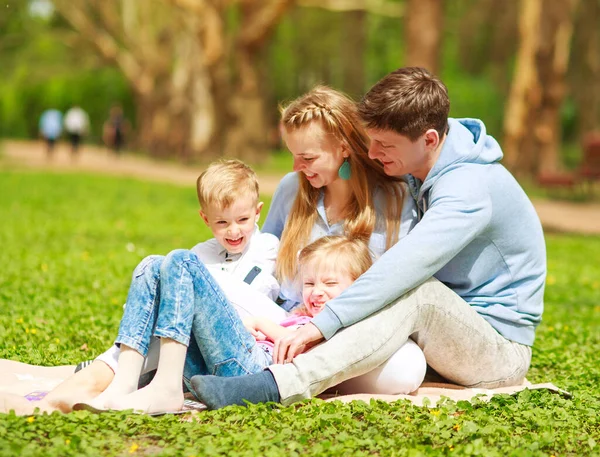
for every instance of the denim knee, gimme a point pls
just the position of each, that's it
(179, 256)
(150, 264)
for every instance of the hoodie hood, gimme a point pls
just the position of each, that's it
(467, 142)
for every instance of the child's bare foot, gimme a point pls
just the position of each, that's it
(151, 399)
(112, 392)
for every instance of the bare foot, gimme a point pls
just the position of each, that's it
(21, 406)
(151, 399)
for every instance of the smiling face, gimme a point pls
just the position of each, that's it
(316, 154)
(321, 283)
(233, 225)
(399, 155)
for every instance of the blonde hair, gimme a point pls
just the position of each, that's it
(225, 181)
(350, 255)
(337, 115)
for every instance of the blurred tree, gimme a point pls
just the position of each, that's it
(179, 63)
(584, 71)
(532, 130)
(423, 21)
(354, 43)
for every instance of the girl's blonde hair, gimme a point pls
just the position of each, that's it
(342, 253)
(337, 115)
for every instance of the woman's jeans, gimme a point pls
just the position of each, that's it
(176, 297)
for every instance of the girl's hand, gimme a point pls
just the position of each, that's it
(251, 324)
(289, 346)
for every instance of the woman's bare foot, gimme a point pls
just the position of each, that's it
(21, 406)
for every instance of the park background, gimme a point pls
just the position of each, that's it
(200, 79)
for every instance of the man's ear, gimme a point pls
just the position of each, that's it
(432, 139)
(203, 216)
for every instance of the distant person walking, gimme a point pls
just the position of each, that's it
(50, 128)
(77, 124)
(115, 130)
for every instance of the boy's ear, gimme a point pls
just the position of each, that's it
(258, 209)
(203, 216)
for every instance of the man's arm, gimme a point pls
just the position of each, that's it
(459, 211)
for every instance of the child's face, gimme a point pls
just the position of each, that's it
(316, 155)
(233, 226)
(321, 283)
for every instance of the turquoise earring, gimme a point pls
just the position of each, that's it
(344, 171)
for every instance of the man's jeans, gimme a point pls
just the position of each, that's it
(458, 344)
(175, 297)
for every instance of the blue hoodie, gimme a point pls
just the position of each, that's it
(478, 233)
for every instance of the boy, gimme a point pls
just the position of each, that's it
(239, 261)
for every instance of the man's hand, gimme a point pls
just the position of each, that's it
(289, 346)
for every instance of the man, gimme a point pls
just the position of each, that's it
(467, 283)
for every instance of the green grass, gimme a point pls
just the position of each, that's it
(68, 246)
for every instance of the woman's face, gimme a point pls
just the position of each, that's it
(316, 154)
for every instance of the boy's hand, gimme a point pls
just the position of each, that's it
(289, 346)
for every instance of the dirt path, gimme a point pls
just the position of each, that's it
(555, 215)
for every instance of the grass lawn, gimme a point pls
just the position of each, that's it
(68, 246)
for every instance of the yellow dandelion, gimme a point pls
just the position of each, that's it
(20, 320)
(44, 267)
(595, 284)
(56, 340)
(33, 331)
(27, 330)
(30, 419)
(67, 442)
(456, 427)
(550, 280)
(597, 308)
(407, 419)
(435, 412)
(451, 448)
(134, 447)
(550, 329)
(114, 301)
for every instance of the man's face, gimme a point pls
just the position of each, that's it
(398, 154)
(233, 226)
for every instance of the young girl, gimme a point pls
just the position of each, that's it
(326, 267)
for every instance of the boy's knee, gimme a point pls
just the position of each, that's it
(150, 263)
(179, 256)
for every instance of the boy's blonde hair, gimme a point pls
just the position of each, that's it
(338, 117)
(351, 255)
(225, 181)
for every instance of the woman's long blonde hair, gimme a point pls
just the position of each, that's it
(338, 116)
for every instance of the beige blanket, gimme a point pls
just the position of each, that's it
(22, 379)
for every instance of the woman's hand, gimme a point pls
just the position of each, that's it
(289, 346)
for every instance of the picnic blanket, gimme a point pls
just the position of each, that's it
(23, 379)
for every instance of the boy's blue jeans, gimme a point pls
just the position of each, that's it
(176, 297)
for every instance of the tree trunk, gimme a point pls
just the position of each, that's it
(532, 121)
(585, 67)
(353, 52)
(423, 33)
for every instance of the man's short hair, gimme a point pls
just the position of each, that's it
(408, 101)
(225, 181)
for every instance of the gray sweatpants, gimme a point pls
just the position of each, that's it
(458, 344)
